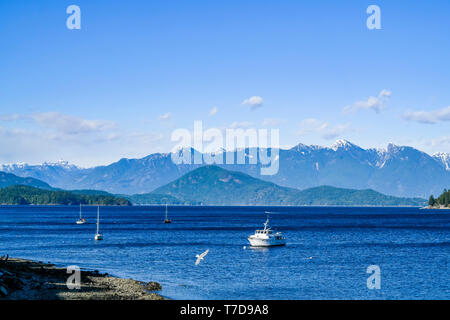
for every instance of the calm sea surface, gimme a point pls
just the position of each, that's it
(411, 247)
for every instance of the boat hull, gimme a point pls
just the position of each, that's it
(254, 242)
(98, 237)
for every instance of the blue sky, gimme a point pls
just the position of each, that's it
(137, 70)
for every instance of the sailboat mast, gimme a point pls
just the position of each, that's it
(98, 218)
(166, 211)
(80, 211)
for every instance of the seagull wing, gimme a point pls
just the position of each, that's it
(204, 254)
(200, 257)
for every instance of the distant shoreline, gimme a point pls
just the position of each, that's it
(63, 205)
(274, 206)
(23, 279)
(212, 205)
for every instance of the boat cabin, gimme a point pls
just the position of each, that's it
(267, 231)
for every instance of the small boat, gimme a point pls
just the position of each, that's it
(266, 237)
(98, 235)
(81, 220)
(167, 220)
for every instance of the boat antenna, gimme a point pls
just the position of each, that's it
(266, 224)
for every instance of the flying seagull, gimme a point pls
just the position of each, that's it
(200, 257)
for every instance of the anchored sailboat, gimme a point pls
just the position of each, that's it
(167, 220)
(81, 220)
(98, 235)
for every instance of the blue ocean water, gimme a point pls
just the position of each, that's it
(410, 246)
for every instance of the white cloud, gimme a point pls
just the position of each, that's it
(242, 124)
(431, 145)
(376, 104)
(311, 125)
(40, 137)
(438, 142)
(254, 102)
(324, 129)
(336, 131)
(213, 111)
(166, 116)
(63, 124)
(143, 138)
(272, 122)
(429, 117)
(10, 117)
(70, 125)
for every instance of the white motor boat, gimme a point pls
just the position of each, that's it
(266, 237)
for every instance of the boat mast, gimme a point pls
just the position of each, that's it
(166, 211)
(80, 210)
(98, 218)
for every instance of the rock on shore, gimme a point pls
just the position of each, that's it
(28, 280)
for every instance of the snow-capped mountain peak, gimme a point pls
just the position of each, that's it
(12, 166)
(443, 158)
(23, 165)
(59, 163)
(343, 144)
(396, 170)
(303, 148)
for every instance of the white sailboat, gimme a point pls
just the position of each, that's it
(81, 220)
(98, 235)
(167, 220)
(266, 237)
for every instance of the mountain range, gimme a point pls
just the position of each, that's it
(207, 185)
(9, 179)
(397, 170)
(212, 185)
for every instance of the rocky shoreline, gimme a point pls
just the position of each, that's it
(438, 207)
(22, 279)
